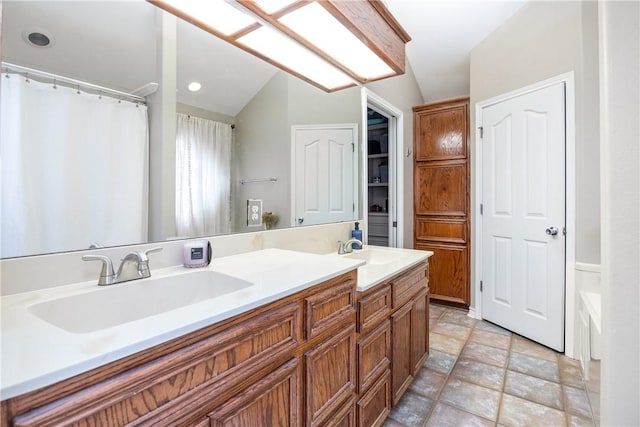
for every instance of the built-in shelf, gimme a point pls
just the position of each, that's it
(378, 213)
(378, 184)
(378, 126)
(379, 156)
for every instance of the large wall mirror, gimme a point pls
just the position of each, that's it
(181, 164)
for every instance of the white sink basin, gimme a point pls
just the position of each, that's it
(373, 256)
(108, 306)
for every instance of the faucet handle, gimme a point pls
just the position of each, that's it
(341, 250)
(107, 275)
(152, 250)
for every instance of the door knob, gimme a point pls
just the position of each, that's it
(300, 220)
(551, 231)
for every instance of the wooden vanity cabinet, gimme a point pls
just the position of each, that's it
(393, 341)
(253, 369)
(325, 356)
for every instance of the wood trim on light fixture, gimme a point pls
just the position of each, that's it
(369, 20)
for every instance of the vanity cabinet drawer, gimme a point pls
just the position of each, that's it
(375, 405)
(272, 401)
(374, 355)
(173, 380)
(409, 284)
(329, 308)
(373, 308)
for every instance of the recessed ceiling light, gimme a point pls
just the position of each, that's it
(37, 37)
(194, 86)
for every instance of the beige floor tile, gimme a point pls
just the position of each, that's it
(448, 416)
(491, 339)
(575, 421)
(452, 330)
(458, 317)
(516, 412)
(485, 354)
(483, 325)
(576, 401)
(570, 374)
(535, 389)
(533, 349)
(479, 373)
(412, 410)
(534, 366)
(472, 398)
(428, 383)
(440, 362)
(445, 343)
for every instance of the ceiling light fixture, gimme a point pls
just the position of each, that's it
(332, 44)
(194, 86)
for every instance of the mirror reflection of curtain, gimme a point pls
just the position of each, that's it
(203, 168)
(73, 167)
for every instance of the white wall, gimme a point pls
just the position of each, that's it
(620, 124)
(261, 150)
(262, 146)
(543, 40)
(404, 93)
(162, 134)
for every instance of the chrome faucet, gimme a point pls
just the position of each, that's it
(347, 247)
(135, 265)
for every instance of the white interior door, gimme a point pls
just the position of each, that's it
(523, 219)
(323, 174)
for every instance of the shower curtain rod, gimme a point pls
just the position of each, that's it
(62, 79)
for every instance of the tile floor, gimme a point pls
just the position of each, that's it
(479, 374)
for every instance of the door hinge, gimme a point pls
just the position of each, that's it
(353, 147)
(481, 286)
(481, 208)
(481, 132)
(395, 224)
(564, 231)
(353, 208)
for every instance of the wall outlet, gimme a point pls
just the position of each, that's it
(254, 213)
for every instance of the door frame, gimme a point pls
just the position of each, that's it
(354, 129)
(396, 164)
(570, 196)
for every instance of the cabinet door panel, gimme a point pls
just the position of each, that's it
(271, 401)
(445, 230)
(330, 375)
(441, 188)
(374, 355)
(448, 272)
(401, 351)
(419, 331)
(441, 134)
(375, 405)
(344, 417)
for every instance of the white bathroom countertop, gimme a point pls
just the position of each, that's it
(385, 263)
(35, 353)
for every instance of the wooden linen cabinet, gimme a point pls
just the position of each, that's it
(441, 196)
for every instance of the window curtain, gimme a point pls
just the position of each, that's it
(203, 163)
(74, 169)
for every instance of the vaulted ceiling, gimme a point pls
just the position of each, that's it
(114, 44)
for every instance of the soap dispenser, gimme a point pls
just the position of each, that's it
(356, 234)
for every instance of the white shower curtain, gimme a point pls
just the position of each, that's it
(203, 163)
(73, 169)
